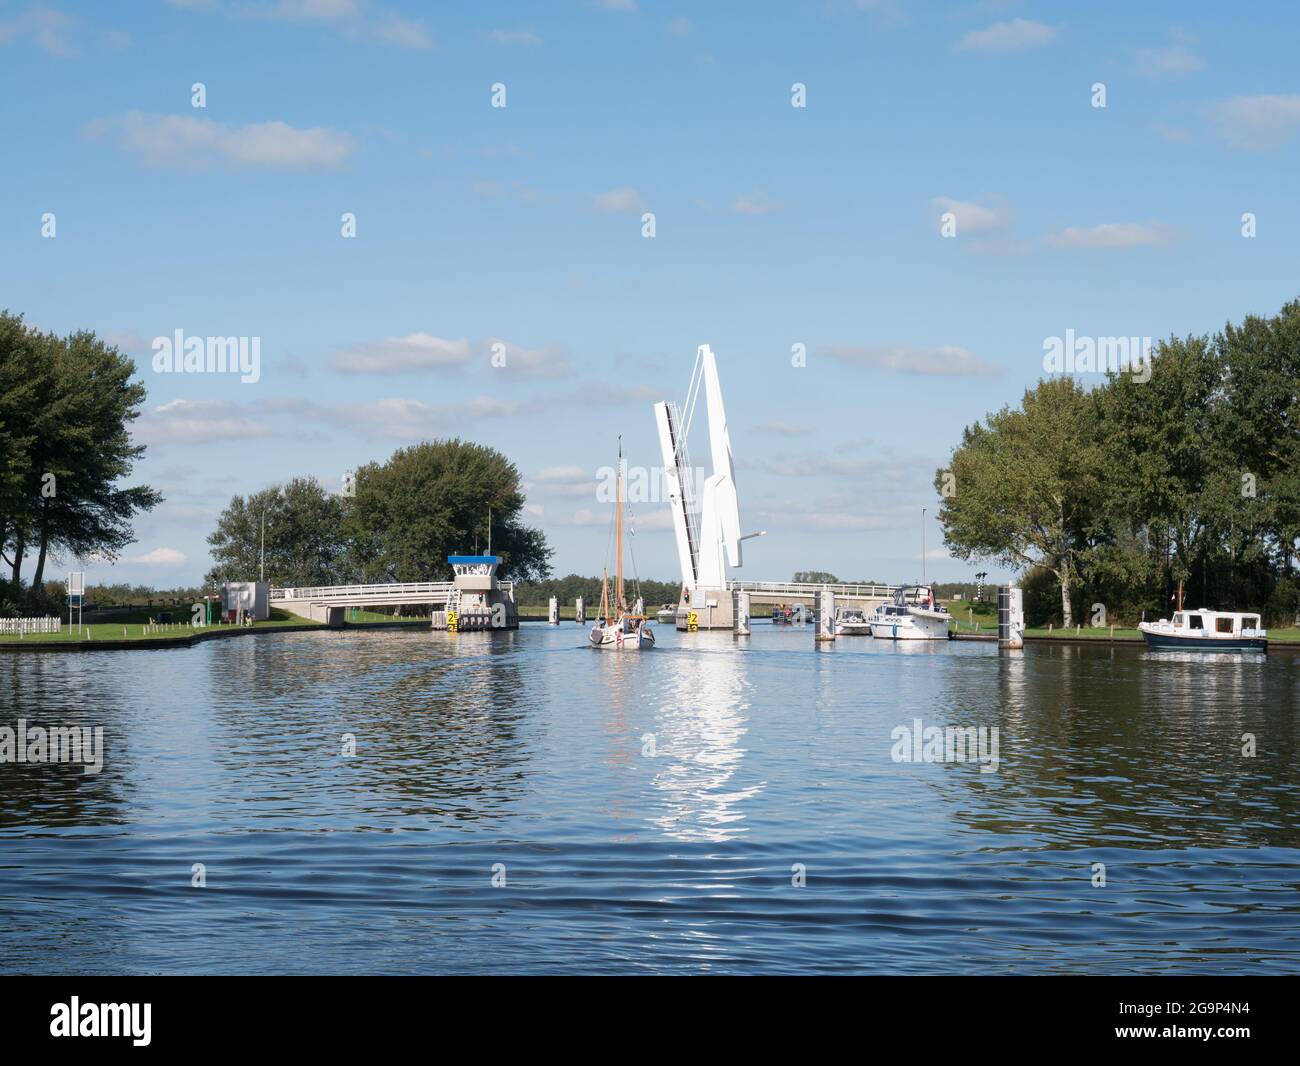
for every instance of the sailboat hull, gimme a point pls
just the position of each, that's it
(617, 638)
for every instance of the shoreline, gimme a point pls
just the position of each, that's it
(189, 640)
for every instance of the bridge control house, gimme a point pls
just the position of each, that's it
(477, 599)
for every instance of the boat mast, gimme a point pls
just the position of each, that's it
(622, 606)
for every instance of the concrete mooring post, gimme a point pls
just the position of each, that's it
(825, 614)
(580, 611)
(740, 613)
(554, 617)
(1011, 617)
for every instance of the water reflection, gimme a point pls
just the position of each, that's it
(701, 726)
(435, 720)
(1111, 747)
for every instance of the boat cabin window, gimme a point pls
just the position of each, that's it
(1194, 622)
(1178, 619)
(1223, 625)
(1250, 621)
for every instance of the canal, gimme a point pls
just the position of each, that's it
(517, 802)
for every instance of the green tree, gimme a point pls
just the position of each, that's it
(305, 543)
(815, 577)
(434, 499)
(1164, 460)
(1028, 486)
(66, 405)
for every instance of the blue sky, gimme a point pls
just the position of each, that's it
(522, 225)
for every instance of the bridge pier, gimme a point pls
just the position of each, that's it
(705, 609)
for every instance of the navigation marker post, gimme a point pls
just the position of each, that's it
(76, 595)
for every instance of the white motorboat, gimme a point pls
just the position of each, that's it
(1206, 630)
(913, 614)
(667, 614)
(852, 622)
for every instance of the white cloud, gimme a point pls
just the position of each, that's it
(564, 473)
(563, 481)
(48, 29)
(358, 20)
(1258, 123)
(941, 361)
(198, 422)
(520, 36)
(403, 355)
(418, 352)
(1014, 35)
(309, 10)
(399, 418)
(973, 217)
(1176, 58)
(189, 142)
(1115, 235)
(549, 362)
(159, 557)
(617, 201)
(754, 204)
(396, 30)
(783, 429)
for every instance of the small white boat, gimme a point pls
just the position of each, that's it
(667, 614)
(1206, 630)
(913, 614)
(852, 622)
(624, 633)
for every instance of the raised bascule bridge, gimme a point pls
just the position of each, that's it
(707, 534)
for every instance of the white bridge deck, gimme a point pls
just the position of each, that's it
(783, 591)
(438, 592)
(369, 595)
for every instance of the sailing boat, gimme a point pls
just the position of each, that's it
(619, 629)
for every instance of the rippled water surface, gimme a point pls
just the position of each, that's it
(649, 811)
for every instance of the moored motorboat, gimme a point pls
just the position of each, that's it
(1206, 630)
(918, 616)
(852, 622)
(667, 614)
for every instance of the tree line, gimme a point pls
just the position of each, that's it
(393, 521)
(1183, 476)
(66, 406)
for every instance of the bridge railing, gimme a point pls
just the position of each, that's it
(801, 588)
(435, 590)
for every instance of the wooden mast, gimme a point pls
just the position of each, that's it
(622, 606)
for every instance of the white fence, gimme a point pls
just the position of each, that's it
(30, 625)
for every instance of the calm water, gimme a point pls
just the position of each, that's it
(526, 749)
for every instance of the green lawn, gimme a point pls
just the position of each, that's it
(134, 625)
(361, 616)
